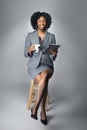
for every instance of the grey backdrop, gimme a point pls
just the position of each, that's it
(68, 86)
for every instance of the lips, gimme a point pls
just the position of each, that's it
(42, 26)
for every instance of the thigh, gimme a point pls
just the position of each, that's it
(48, 73)
(37, 78)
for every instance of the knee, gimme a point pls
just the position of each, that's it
(45, 75)
(37, 79)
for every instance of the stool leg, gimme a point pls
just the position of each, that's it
(33, 93)
(30, 95)
(47, 99)
(47, 102)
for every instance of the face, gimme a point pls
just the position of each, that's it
(41, 23)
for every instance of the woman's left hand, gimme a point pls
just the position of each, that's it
(54, 52)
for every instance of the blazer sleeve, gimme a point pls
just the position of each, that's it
(27, 45)
(53, 41)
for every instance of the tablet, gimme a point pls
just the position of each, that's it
(51, 46)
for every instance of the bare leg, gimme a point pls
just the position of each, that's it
(42, 84)
(43, 104)
(42, 81)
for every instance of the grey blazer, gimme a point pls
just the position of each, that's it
(34, 58)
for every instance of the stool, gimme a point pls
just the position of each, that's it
(33, 94)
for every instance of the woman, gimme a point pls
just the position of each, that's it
(40, 65)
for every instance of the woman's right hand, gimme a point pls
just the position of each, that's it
(31, 48)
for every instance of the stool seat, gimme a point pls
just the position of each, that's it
(33, 94)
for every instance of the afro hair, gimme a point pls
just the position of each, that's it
(37, 15)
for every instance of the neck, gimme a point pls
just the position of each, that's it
(41, 34)
(41, 31)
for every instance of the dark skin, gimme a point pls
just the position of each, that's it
(41, 24)
(41, 79)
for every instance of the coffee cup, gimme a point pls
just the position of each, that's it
(36, 47)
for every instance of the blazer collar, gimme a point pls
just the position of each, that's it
(46, 38)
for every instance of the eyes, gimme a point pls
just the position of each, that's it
(41, 20)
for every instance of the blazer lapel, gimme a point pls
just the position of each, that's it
(36, 37)
(46, 39)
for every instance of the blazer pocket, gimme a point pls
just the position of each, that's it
(34, 60)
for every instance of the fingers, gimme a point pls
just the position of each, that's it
(54, 52)
(31, 48)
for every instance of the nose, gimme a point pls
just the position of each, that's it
(42, 23)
